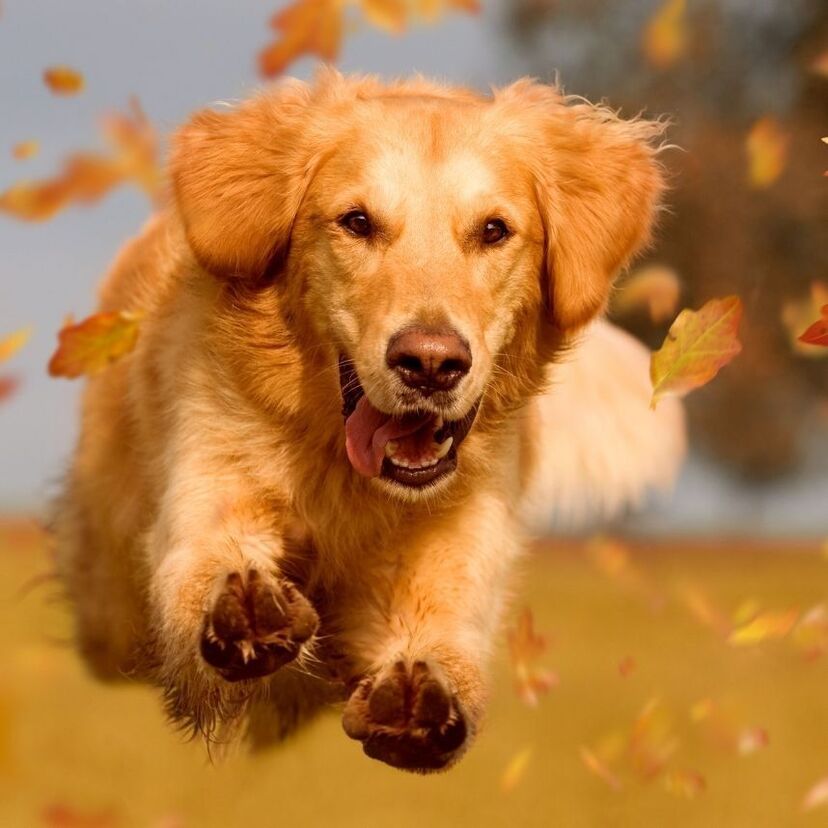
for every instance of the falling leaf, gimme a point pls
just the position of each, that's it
(810, 635)
(817, 795)
(86, 176)
(799, 314)
(390, 15)
(768, 625)
(11, 344)
(701, 710)
(514, 770)
(685, 784)
(91, 345)
(702, 608)
(626, 666)
(25, 150)
(526, 648)
(752, 739)
(652, 740)
(817, 334)
(316, 27)
(594, 765)
(306, 27)
(8, 385)
(63, 80)
(698, 344)
(655, 289)
(665, 35)
(65, 816)
(767, 151)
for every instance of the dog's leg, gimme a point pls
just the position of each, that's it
(421, 649)
(225, 615)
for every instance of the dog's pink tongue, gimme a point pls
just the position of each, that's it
(367, 431)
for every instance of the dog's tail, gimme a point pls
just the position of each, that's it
(598, 446)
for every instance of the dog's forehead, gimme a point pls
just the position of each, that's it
(426, 150)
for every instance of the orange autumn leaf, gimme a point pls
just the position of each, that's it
(626, 666)
(91, 345)
(665, 36)
(652, 740)
(12, 343)
(685, 784)
(767, 152)
(515, 770)
(86, 177)
(655, 289)
(59, 815)
(307, 27)
(765, 626)
(817, 334)
(316, 27)
(698, 344)
(63, 80)
(525, 649)
(594, 764)
(8, 385)
(24, 150)
(390, 15)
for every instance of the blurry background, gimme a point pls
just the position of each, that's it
(671, 682)
(760, 442)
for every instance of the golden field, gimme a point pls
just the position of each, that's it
(692, 691)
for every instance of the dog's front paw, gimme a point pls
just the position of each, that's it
(256, 625)
(407, 718)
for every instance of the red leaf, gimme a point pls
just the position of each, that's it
(817, 334)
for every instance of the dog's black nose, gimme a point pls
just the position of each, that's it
(429, 359)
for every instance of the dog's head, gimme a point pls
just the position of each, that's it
(434, 241)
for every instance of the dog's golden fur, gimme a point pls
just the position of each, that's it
(217, 446)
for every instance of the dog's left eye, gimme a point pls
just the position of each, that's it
(357, 223)
(494, 230)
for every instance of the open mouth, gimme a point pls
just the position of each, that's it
(414, 450)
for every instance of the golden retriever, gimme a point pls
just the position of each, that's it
(367, 359)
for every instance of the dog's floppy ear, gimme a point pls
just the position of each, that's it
(238, 179)
(598, 186)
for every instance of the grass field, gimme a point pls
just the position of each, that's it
(693, 691)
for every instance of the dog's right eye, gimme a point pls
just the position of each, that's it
(357, 222)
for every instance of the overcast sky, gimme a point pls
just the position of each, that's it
(178, 55)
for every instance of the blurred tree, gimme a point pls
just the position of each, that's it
(740, 61)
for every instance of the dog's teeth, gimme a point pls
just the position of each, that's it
(438, 423)
(443, 449)
(390, 448)
(398, 461)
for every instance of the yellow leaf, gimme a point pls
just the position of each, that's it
(698, 344)
(91, 345)
(767, 151)
(772, 624)
(11, 344)
(390, 15)
(514, 770)
(63, 80)
(655, 288)
(665, 36)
